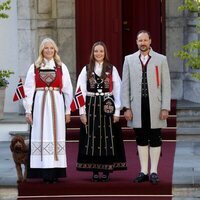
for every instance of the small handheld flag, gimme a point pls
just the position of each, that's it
(78, 100)
(19, 93)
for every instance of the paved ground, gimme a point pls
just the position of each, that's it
(186, 177)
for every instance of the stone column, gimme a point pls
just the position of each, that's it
(39, 19)
(66, 35)
(174, 41)
(26, 53)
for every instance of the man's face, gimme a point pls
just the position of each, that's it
(143, 41)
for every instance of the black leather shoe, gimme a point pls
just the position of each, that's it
(141, 178)
(154, 178)
(48, 181)
(105, 178)
(55, 180)
(95, 178)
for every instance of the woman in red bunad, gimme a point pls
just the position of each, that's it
(48, 92)
(101, 147)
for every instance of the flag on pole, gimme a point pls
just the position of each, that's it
(19, 93)
(78, 100)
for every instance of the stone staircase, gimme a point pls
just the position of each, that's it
(168, 133)
(188, 121)
(187, 124)
(186, 166)
(11, 124)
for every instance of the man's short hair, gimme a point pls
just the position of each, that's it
(144, 31)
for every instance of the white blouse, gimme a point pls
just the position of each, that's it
(29, 86)
(82, 82)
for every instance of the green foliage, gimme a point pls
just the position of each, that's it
(3, 75)
(196, 75)
(191, 5)
(4, 7)
(191, 51)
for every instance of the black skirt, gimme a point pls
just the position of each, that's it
(101, 144)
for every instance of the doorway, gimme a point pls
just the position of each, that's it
(116, 22)
(140, 15)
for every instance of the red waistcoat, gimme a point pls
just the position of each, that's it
(41, 79)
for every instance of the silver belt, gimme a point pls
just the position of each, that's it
(47, 88)
(92, 94)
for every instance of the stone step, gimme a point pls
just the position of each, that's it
(24, 134)
(75, 121)
(188, 134)
(127, 133)
(187, 105)
(188, 120)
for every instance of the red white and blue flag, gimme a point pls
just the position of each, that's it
(78, 100)
(19, 94)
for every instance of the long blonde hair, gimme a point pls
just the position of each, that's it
(40, 58)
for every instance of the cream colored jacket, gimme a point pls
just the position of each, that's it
(159, 87)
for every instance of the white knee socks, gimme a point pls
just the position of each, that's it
(143, 152)
(154, 157)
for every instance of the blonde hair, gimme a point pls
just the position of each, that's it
(40, 58)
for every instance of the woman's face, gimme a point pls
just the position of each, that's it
(48, 51)
(99, 53)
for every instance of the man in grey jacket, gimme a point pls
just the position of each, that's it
(146, 102)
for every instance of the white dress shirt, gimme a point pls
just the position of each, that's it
(144, 58)
(82, 82)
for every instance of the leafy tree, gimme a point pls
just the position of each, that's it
(191, 51)
(4, 7)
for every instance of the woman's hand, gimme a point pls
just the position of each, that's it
(67, 118)
(115, 119)
(29, 118)
(83, 119)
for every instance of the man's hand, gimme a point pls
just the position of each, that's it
(128, 115)
(164, 114)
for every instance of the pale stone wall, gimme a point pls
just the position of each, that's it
(8, 55)
(180, 29)
(174, 41)
(38, 19)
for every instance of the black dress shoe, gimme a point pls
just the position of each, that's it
(141, 178)
(55, 180)
(105, 178)
(154, 178)
(47, 181)
(95, 178)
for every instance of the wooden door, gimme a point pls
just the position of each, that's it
(98, 21)
(143, 14)
(116, 22)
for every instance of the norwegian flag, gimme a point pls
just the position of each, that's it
(78, 100)
(19, 94)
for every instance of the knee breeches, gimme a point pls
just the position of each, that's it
(150, 137)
